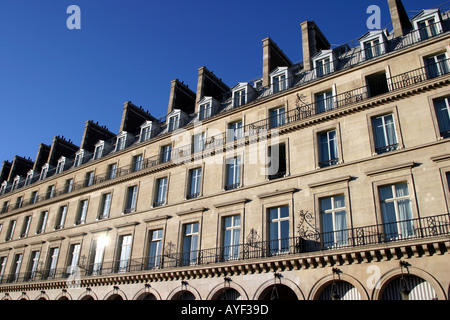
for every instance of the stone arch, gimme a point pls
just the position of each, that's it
(115, 294)
(42, 296)
(281, 283)
(145, 293)
(88, 295)
(325, 282)
(215, 293)
(411, 271)
(6, 297)
(23, 296)
(64, 296)
(184, 290)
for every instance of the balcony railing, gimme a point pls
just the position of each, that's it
(307, 242)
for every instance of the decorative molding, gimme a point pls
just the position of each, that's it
(191, 210)
(407, 165)
(231, 203)
(276, 193)
(331, 181)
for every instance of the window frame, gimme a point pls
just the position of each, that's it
(398, 131)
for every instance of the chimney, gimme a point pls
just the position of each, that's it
(313, 41)
(42, 156)
(273, 57)
(209, 85)
(181, 97)
(93, 132)
(4, 171)
(133, 117)
(399, 17)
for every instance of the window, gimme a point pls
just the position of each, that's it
(10, 232)
(82, 210)
(233, 173)
(396, 211)
(121, 141)
(112, 171)
(69, 185)
(199, 142)
(377, 84)
(16, 266)
(29, 178)
(166, 153)
(436, 65)
(34, 197)
(137, 162)
(442, 108)
(52, 262)
(427, 28)
(278, 230)
(78, 158)
(5, 207)
(372, 49)
(124, 253)
(146, 133)
(161, 191)
(174, 123)
(190, 244)
(25, 227)
(42, 222)
(3, 261)
(334, 221)
(33, 265)
(50, 192)
(235, 131)
(19, 202)
(279, 83)
(328, 149)
(61, 217)
(74, 256)
(96, 261)
(204, 111)
(154, 252)
(195, 180)
(324, 101)
(278, 160)
(231, 237)
(105, 206)
(384, 133)
(323, 67)
(239, 98)
(98, 152)
(130, 205)
(44, 171)
(15, 183)
(277, 117)
(89, 179)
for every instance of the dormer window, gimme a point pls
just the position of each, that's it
(206, 107)
(3, 187)
(323, 62)
(121, 142)
(242, 93)
(15, 183)
(373, 44)
(175, 120)
(427, 23)
(44, 171)
(60, 165)
(78, 158)
(98, 152)
(148, 129)
(279, 78)
(29, 178)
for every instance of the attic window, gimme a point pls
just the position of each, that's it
(121, 141)
(44, 171)
(174, 122)
(239, 98)
(323, 63)
(98, 152)
(204, 111)
(78, 158)
(146, 132)
(427, 23)
(60, 165)
(279, 79)
(373, 44)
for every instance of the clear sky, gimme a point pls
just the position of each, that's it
(53, 79)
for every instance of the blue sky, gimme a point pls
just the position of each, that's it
(53, 79)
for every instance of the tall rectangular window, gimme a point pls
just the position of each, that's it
(174, 123)
(3, 261)
(323, 67)
(324, 101)
(19, 202)
(33, 265)
(16, 266)
(145, 134)
(190, 244)
(112, 171)
(277, 117)
(205, 111)
(98, 152)
(437, 65)
(42, 223)
(89, 179)
(69, 186)
(61, 217)
(82, 211)
(235, 131)
(34, 197)
(279, 83)
(328, 149)
(25, 227)
(74, 256)
(199, 142)
(96, 260)
(231, 237)
(195, 181)
(130, 205)
(384, 133)
(372, 49)
(161, 192)
(396, 210)
(155, 247)
(50, 192)
(239, 98)
(278, 161)
(137, 163)
(278, 230)
(233, 173)
(442, 108)
(121, 143)
(105, 206)
(52, 261)
(334, 221)
(11, 228)
(124, 253)
(166, 153)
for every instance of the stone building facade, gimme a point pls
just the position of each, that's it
(327, 179)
